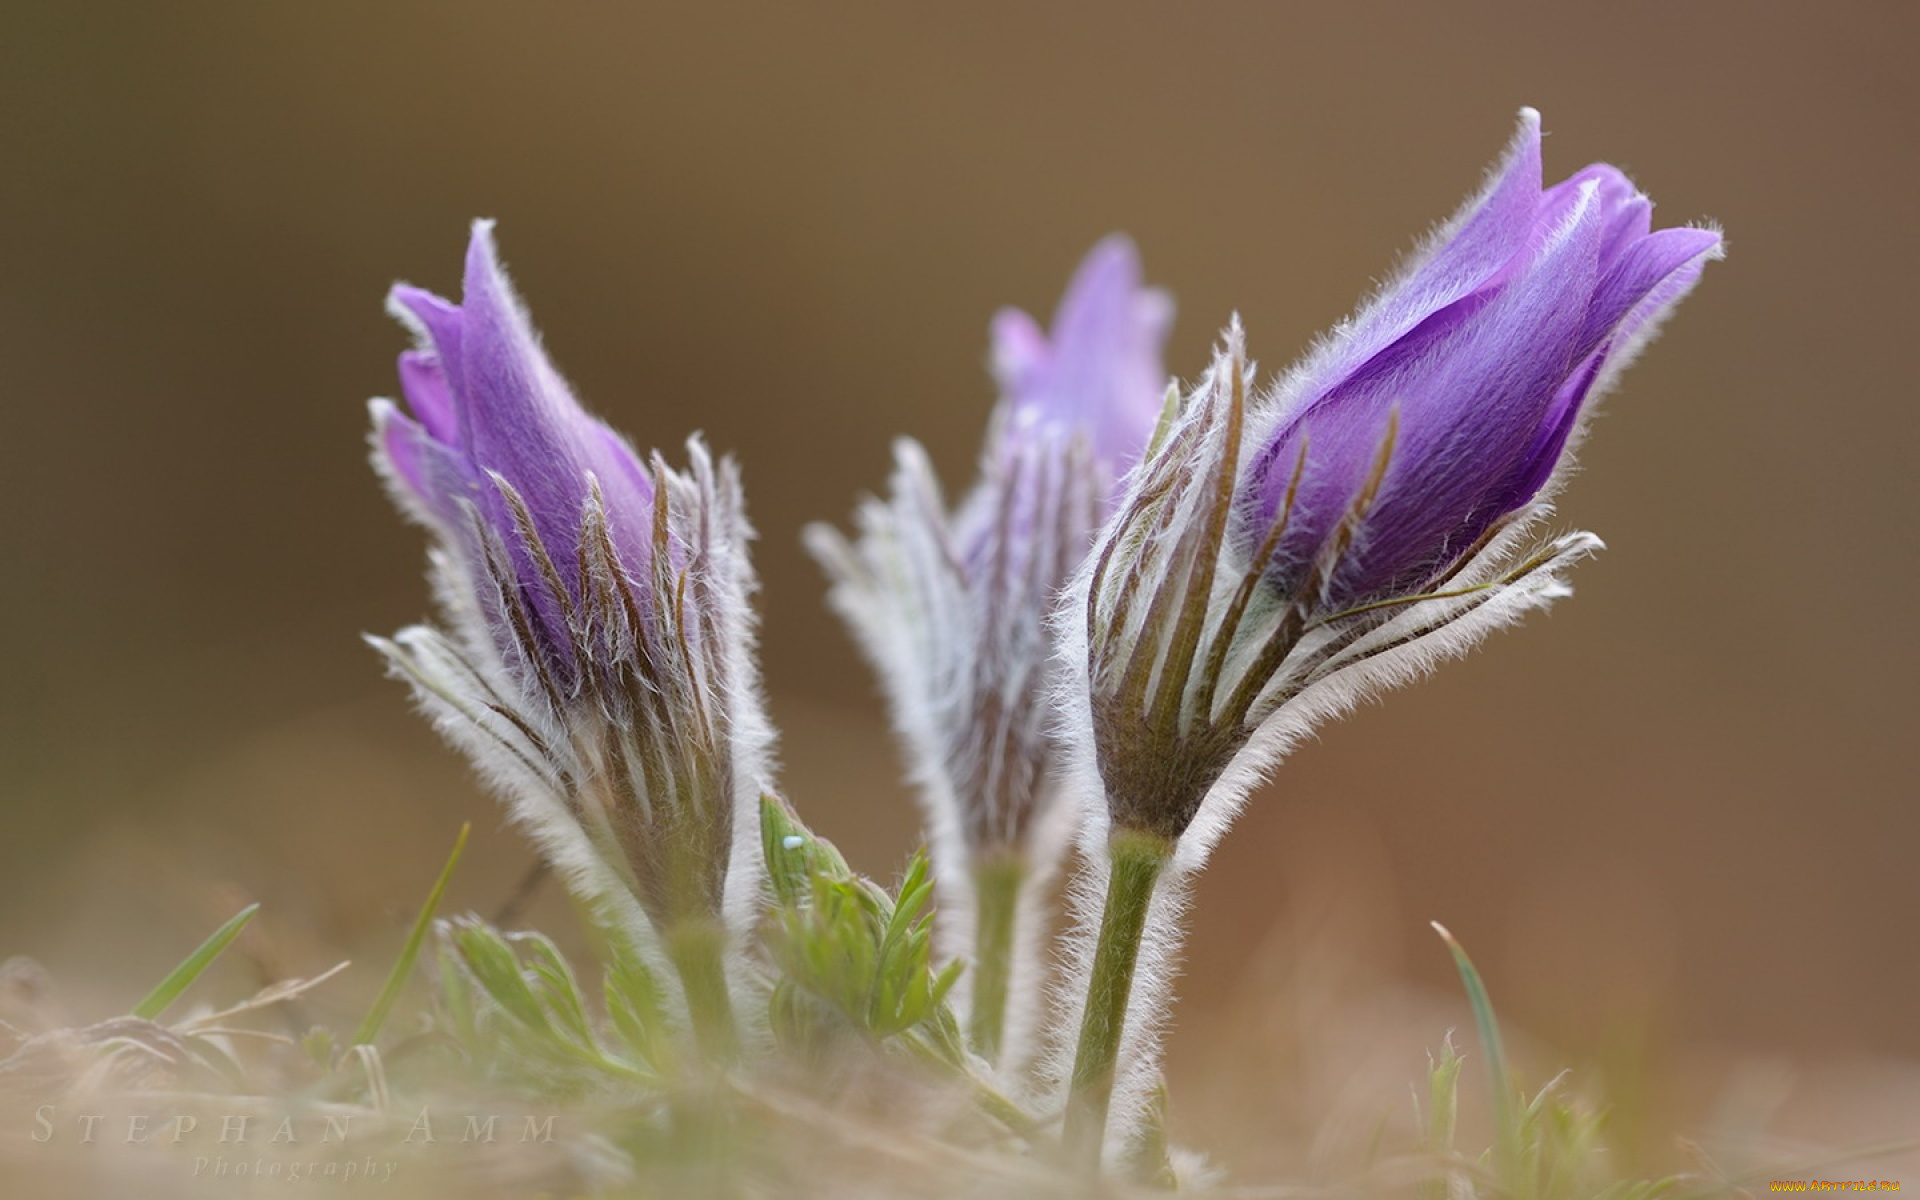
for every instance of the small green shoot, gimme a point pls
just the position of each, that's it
(794, 854)
(1442, 1114)
(1506, 1123)
(181, 977)
(854, 959)
(1551, 1147)
(410, 953)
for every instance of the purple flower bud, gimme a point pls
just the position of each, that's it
(495, 430)
(952, 608)
(599, 659)
(1280, 554)
(1466, 377)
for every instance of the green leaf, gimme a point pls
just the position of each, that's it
(494, 966)
(181, 977)
(558, 990)
(410, 953)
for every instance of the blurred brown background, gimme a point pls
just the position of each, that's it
(1678, 814)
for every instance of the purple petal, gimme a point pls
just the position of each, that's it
(440, 320)
(1549, 443)
(1458, 259)
(399, 445)
(1650, 277)
(1629, 214)
(423, 382)
(433, 474)
(1019, 350)
(516, 417)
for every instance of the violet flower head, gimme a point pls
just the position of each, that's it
(597, 659)
(1465, 379)
(1281, 554)
(952, 606)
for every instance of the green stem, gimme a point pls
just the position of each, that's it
(697, 949)
(996, 888)
(1136, 859)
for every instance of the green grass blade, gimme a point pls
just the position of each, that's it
(181, 977)
(409, 953)
(1505, 1121)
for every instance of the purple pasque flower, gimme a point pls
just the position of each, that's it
(1463, 381)
(1278, 556)
(597, 661)
(1076, 411)
(951, 605)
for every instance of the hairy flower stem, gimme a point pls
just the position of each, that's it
(1135, 860)
(697, 949)
(997, 883)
